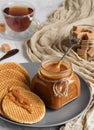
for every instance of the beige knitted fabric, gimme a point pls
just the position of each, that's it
(50, 40)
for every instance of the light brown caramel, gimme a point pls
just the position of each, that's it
(91, 51)
(82, 53)
(52, 82)
(54, 67)
(86, 35)
(2, 27)
(5, 47)
(19, 100)
(81, 29)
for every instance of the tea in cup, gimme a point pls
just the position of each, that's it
(18, 16)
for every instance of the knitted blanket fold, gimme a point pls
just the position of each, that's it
(51, 40)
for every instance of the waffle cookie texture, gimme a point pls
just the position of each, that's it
(12, 74)
(28, 108)
(4, 92)
(8, 83)
(17, 102)
(15, 66)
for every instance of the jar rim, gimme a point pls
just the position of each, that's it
(55, 60)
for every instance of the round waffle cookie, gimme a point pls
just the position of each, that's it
(12, 82)
(12, 74)
(6, 90)
(9, 84)
(15, 66)
(16, 112)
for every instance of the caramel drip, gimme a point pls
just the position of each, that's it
(19, 100)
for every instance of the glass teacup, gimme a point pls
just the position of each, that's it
(19, 15)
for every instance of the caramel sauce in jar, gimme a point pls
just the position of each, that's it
(56, 87)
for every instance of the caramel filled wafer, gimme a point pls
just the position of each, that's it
(6, 85)
(15, 66)
(12, 74)
(5, 91)
(23, 106)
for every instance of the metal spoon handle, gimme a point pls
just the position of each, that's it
(68, 50)
(9, 54)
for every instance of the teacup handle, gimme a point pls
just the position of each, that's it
(35, 24)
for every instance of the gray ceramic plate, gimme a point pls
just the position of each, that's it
(66, 113)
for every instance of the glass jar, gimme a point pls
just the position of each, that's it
(56, 87)
(85, 49)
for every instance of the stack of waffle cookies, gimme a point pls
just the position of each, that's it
(17, 102)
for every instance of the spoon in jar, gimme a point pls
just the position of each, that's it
(56, 67)
(74, 43)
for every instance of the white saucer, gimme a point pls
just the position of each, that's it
(11, 35)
